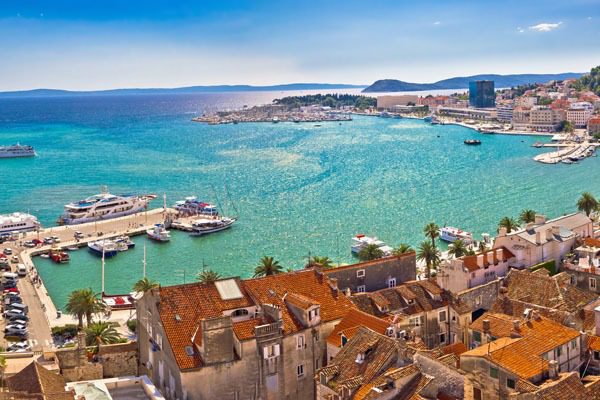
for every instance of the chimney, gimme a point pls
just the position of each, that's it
(502, 231)
(552, 369)
(529, 226)
(536, 315)
(319, 275)
(538, 237)
(486, 326)
(597, 320)
(549, 235)
(556, 230)
(517, 325)
(480, 260)
(81, 348)
(333, 283)
(540, 219)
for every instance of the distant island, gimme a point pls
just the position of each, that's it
(181, 90)
(501, 81)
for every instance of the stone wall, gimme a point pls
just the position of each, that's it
(118, 359)
(480, 297)
(449, 381)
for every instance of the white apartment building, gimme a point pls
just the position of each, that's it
(580, 113)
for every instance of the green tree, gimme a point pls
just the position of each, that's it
(527, 216)
(402, 249)
(101, 332)
(587, 203)
(268, 266)
(144, 284)
(208, 276)
(430, 254)
(432, 231)
(509, 223)
(457, 249)
(2, 369)
(84, 303)
(316, 261)
(370, 252)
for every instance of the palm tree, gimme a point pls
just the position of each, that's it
(432, 231)
(316, 261)
(268, 266)
(84, 303)
(402, 249)
(482, 247)
(458, 248)
(144, 284)
(587, 203)
(527, 216)
(208, 276)
(427, 252)
(370, 252)
(509, 223)
(101, 332)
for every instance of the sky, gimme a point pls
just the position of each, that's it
(90, 45)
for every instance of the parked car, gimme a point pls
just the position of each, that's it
(15, 327)
(21, 270)
(7, 251)
(13, 313)
(48, 240)
(12, 300)
(23, 346)
(18, 319)
(14, 259)
(20, 306)
(78, 235)
(36, 241)
(11, 290)
(9, 285)
(29, 243)
(16, 336)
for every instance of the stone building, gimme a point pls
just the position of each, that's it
(469, 271)
(584, 269)
(377, 274)
(419, 309)
(37, 383)
(544, 240)
(255, 339)
(516, 353)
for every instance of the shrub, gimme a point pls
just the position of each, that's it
(550, 265)
(132, 324)
(68, 330)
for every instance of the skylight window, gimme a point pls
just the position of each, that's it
(228, 289)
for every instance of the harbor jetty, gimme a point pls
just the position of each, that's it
(569, 153)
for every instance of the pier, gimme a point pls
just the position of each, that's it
(569, 153)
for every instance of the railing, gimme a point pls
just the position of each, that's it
(587, 269)
(268, 329)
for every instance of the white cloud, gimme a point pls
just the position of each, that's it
(520, 30)
(437, 23)
(545, 27)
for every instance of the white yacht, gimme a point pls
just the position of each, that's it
(105, 247)
(18, 222)
(360, 241)
(452, 234)
(191, 206)
(104, 206)
(16, 150)
(159, 233)
(204, 226)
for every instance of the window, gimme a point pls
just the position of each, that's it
(478, 301)
(477, 336)
(391, 282)
(415, 321)
(442, 316)
(344, 340)
(323, 379)
(300, 342)
(239, 313)
(494, 372)
(442, 338)
(476, 393)
(574, 344)
(361, 289)
(360, 273)
(596, 355)
(592, 283)
(558, 351)
(300, 371)
(511, 383)
(573, 280)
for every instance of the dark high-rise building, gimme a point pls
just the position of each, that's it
(482, 94)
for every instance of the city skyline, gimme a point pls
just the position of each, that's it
(66, 45)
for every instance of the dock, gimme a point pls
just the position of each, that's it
(569, 153)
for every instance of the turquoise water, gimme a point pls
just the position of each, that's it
(298, 188)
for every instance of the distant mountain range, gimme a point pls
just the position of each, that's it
(187, 90)
(501, 81)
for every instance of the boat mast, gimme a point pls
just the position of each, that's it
(144, 260)
(103, 270)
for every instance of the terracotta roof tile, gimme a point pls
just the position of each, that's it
(567, 387)
(38, 381)
(367, 264)
(594, 342)
(354, 319)
(300, 301)
(244, 330)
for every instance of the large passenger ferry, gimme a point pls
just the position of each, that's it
(18, 222)
(104, 206)
(16, 150)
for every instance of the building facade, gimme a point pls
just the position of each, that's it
(482, 94)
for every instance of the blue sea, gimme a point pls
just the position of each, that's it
(300, 189)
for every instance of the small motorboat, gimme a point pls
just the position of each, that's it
(538, 145)
(105, 247)
(124, 240)
(72, 248)
(472, 142)
(159, 233)
(204, 226)
(45, 255)
(59, 256)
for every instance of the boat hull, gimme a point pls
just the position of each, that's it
(107, 253)
(76, 221)
(209, 231)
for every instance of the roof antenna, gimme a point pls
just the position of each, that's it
(195, 332)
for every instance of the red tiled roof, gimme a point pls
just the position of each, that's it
(356, 318)
(245, 329)
(300, 301)
(369, 263)
(37, 381)
(594, 342)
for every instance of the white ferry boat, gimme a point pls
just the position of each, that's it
(159, 233)
(204, 226)
(360, 241)
(452, 234)
(106, 247)
(104, 206)
(191, 206)
(16, 150)
(18, 222)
